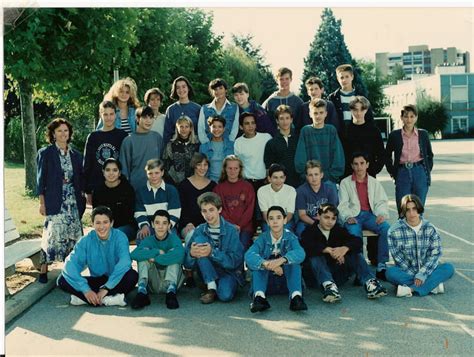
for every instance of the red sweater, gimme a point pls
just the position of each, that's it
(238, 202)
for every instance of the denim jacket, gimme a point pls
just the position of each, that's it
(261, 250)
(118, 122)
(231, 114)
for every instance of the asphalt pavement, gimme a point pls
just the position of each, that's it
(433, 325)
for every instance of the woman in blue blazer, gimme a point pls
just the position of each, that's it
(60, 189)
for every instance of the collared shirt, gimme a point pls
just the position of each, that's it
(155, 190)
(411, 148)
(363, 192)
(276, 244)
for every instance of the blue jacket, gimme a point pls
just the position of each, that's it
(230, 254)
(265, 124)
(207, 150)
(231, 114)
(261, 250)
(49, 179)
(110, 258)
(118, 121)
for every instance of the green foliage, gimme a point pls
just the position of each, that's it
(327, 51)
(375, 84)
(266, 79)
(432, 115)
(397, 74)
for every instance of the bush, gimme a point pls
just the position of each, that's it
(432, 115)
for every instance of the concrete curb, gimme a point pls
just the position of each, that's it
(18, 303)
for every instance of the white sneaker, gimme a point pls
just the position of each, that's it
(77, 301)
(114, 300)
(404, 291)
(438, 290)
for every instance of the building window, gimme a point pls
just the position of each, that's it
(459, 124)
(459, 94)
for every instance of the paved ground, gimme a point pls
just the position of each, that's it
(434, 325)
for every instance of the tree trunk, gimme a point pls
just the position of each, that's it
(29, 135)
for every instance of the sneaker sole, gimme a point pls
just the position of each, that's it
(331, 299)
(378, 295)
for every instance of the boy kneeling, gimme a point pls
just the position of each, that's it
(216, 250)
(159, 259)
(276, 251)
(335, 255)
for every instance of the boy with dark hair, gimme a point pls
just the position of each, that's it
(104, 251)
(216, 251)
(159, 259)
(139, 147)
(416, 249)
(363, 136)
(335, 255)
(279, 252)
(409, 158)
(283, 95)
(363, 204)
(241, 97)
(101, 145)
(342, 96)
(281, 148)
(155, 195)
(220, 105)
(311, 195)
(320, 142)
(315, 89)
(277, 193)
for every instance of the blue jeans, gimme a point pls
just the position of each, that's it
(366, 220)
(129, 230)
(246, 239)
(413, 181)
(398, 276)
(291, 272)
(226, 282)
(300, 227)
(326, 269)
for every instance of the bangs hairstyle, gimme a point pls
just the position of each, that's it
(155, 164)
(310, 164)
(318, 103)
(111, 161)
(276, 208)
(114, 91)
(151, 91)
(282, 109)
(53, 125)
(282, 71)
(276, 168)
(240, 87)
(102, 210)
(224, 165)
(215, 83)
(145, 111)
(411, 198)
(192, 136)
(409, 108)
(209, 198)
(106, 104)
(197, 159)
(356, 154)
(214, 118)
(359, 99)
(314, 80)
(327, 207)
(345, 68)
(174, 94)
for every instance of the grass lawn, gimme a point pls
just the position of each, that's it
(23, 209)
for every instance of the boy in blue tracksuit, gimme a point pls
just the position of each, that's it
(104, 251)
(276, 251)
(215, 250)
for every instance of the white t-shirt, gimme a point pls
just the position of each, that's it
(251, 151)
(285, 198)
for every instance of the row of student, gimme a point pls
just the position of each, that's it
(274, 259)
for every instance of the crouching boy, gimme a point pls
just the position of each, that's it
(216, 251)
(104, 251)
(159, 259)
(335, 255)
(275, 253)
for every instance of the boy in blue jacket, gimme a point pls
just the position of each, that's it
(104, 251)
(159, 259)
(215, 250)
(279, 252)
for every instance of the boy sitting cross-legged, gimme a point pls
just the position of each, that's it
(279, 252)
(335, 255)
(216, 251)
(159, 259)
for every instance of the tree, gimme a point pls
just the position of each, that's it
(327, 51)
(267, 81)
(64, 57)
(375, 83)
(432, 115)
(396, 74)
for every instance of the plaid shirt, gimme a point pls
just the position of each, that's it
(417, 254)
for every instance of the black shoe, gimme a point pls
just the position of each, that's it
(298, 304)
(43, 278)
(189, 282)
(374, 289)
(140, 301)
(259, 304)
(171, 301)
(381, 275)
